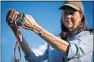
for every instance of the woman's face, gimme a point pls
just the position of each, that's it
(71, 19)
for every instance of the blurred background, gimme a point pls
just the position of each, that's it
(47, 14)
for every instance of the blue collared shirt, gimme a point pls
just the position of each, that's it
(80, 50)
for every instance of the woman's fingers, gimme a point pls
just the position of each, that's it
(27, 27)
(26, 22)
(13, 15)
(8, 15)
(29, 22)
(17, 17)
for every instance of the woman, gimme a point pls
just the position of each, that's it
(74, 45)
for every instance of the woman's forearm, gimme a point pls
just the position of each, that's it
(24, 45)
(56, 42)
(12, 18)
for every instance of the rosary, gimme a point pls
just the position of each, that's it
(19, 25)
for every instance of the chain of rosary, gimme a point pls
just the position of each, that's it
(20, 24)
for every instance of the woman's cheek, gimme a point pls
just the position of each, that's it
(75, 25)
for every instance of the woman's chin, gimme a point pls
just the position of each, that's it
(69, 28)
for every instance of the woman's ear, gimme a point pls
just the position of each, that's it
(81, 16)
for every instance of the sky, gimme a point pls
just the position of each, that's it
(46, 14)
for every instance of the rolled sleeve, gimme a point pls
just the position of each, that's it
(80, 46)
(72, 51)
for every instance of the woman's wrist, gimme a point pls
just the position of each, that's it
(36, 28)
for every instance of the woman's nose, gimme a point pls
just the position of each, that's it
(68, 16)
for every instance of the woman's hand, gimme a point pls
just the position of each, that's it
(12, 17)
(29, 22)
